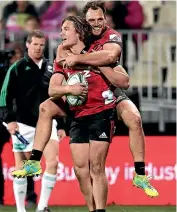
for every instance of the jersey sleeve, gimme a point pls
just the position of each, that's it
(57, 68)
(113, 37)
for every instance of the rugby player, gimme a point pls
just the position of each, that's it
(107, 43)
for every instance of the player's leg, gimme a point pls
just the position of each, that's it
(48, 110)
(79, 145)
(80, 154)
(100, 131)
(50, 175)
(130, 115)
(20, 184)
(21, 152)
(98, 154)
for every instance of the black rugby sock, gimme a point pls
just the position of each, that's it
(100, 210)
(36, 155)
(140, 168)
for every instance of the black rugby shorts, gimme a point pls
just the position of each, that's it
(97, 127)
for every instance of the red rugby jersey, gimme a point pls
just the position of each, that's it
(100, 97)
(108, 36)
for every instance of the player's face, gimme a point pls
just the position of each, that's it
(36, 47)
(97, 20)
(68, 34)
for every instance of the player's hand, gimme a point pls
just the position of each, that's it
(61, 134)
(71, 61)
(69, 53)
(79, 89)
(12, 127)
(62, 62)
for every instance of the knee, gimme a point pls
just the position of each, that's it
(52, 164)
(134, 122)
(97, 169)
(81, 171)
(44, 109)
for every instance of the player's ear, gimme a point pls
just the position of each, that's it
(27, 45)
(79, 36)
(105, 18)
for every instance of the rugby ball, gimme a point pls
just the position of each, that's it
(73, 79)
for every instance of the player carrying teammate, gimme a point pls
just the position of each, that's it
(108, 46)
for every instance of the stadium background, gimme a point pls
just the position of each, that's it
(149, 39)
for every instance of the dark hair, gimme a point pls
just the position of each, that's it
(36, 33)
(94, 5)
(82, 27)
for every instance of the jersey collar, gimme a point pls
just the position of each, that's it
(95, 38)
(28, 59)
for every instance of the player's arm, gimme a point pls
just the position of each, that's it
(8, 93)
(56, 89)
(117, 76)
(109, 55)
(62, 54)
(111, 52)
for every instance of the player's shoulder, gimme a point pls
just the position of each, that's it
(109, 31)
(21, 61)
(57, 68)
(19, 64)
(112, 35)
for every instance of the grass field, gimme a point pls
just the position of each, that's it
(109, 209)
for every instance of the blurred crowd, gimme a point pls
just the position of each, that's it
(21, 17)
(24, 15)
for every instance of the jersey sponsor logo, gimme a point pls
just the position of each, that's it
(108, 96)
(86, 73)
(115, 38)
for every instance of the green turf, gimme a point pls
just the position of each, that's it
(109, 209)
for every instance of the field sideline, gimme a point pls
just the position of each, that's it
(109, 209)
